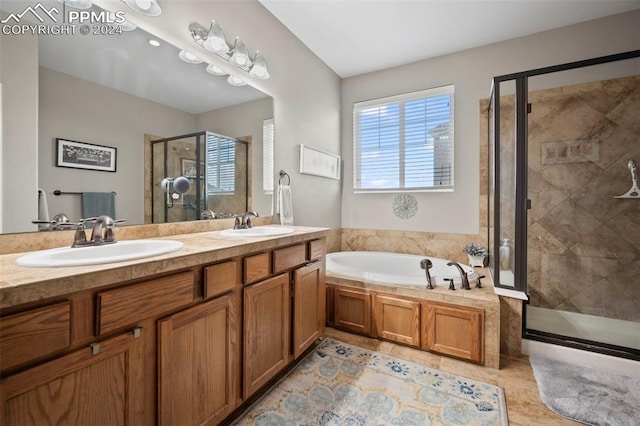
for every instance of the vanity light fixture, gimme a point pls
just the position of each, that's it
(240, 55)
(259, 69)
(77, 4)
(236, 81)
(145, 7)
(214, 70)
(189, 57)
(213, 40)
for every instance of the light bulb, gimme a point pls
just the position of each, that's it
(214, 70)
(215, 41)
(143, 4)
(235, 81)
(189, 57)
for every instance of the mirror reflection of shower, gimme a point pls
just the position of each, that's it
(175, 189)
(197, 173)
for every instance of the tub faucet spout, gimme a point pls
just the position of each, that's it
(463, 275)
(426, 264)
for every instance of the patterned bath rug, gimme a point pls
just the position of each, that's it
(340, 384)
(587, 395)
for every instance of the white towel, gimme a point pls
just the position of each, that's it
(43, 209)
(285, 205)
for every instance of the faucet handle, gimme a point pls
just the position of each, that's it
(119, 222)
(451, 286)
(87, 219)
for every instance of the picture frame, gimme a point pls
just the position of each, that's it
(86, 156)
(319, 163)
(188, 168)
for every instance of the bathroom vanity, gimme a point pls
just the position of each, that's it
(183, 338)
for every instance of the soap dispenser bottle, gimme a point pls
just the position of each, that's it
(505, 255)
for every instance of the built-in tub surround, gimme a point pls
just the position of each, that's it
(483, 298)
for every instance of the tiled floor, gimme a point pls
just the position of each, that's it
(524, 406)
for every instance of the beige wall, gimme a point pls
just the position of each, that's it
(19, 80)
(471, 72)
(118, 120)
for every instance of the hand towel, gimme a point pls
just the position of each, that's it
(285, 205)
(96, 204)
(43, 209)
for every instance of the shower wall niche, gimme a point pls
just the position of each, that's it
(560, 152)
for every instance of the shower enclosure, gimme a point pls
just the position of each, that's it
(217, 168)
(563, 140)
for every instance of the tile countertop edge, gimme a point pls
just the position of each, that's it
(20, 285)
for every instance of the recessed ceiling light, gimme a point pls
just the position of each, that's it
(154, 42)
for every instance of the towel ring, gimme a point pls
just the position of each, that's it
(282, 175)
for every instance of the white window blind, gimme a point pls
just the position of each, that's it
(268, 140)
(404, 142)
(220, 164)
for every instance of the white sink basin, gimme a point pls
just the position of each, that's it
(93, 255)
(259, 231)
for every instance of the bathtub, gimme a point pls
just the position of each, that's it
(394, 269)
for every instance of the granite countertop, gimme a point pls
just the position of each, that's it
(20, 285)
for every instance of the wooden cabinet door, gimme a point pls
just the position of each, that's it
(97, 385)
(198, 364)
(308, 306)
(352, 310)
(454, 330)
(397, 319)
(267, 331)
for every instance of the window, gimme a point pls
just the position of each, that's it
(221, 164)
(404, 142)
(268, 139)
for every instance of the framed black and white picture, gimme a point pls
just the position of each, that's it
(81, 155)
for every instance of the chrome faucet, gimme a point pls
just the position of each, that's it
(463, 276)
(246, 220)
(103, 231)
(426, 264)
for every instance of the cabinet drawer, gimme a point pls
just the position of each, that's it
(288, 258)
(29, 335)
(125, 306)
(256, 267)
(317, 249)
(220, 278)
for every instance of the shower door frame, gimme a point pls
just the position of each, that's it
(522, 203)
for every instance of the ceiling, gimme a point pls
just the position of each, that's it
(359, 36)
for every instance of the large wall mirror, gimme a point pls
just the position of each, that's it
(120, 91)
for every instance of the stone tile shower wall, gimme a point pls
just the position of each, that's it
(583, 244)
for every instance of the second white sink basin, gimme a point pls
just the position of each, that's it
(94, 255)
(258, 231)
